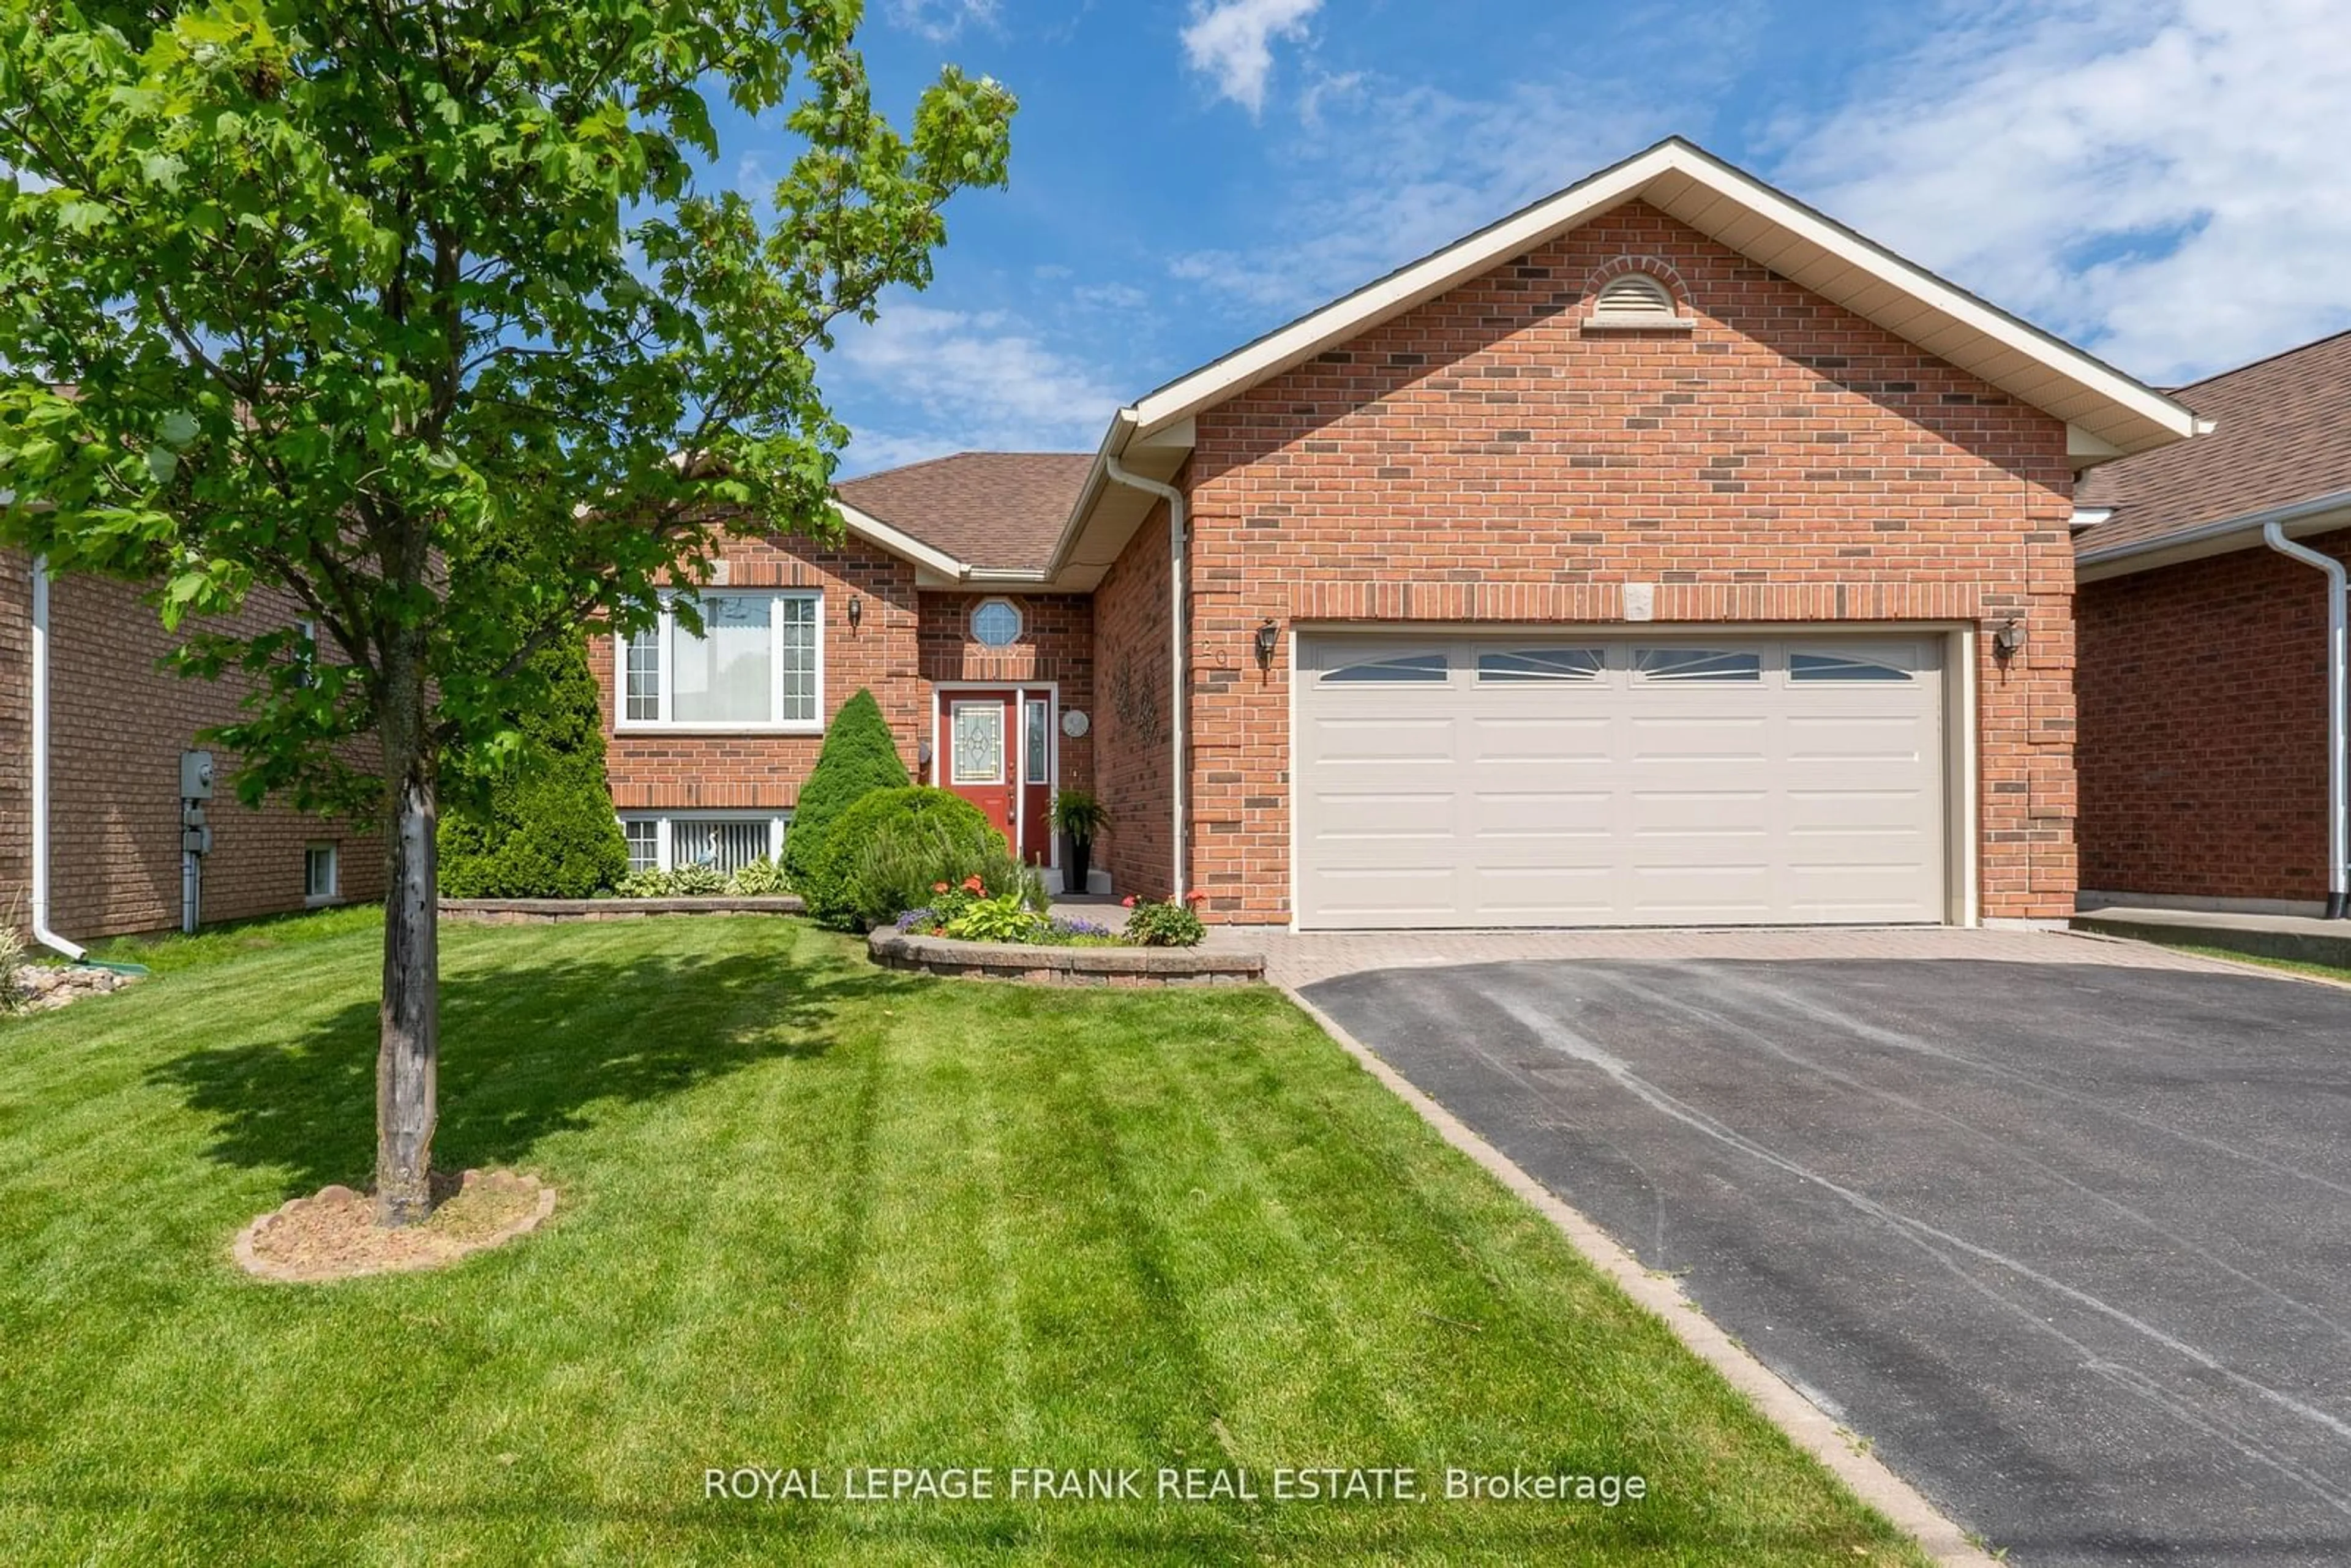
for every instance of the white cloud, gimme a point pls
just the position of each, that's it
(1232, 42)
(2160, 180)
(1410, 170)
(1108, 296)
(954, 381)
(1327, 88)
(939, 20)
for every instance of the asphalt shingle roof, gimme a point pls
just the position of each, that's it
(1002, 510)
(2284, 435)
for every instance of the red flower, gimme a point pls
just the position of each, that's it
(938, 887)
(1128, 902)
(973, 884)
(1195, 896)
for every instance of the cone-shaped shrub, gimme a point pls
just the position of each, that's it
(543, 826)
(859, 758)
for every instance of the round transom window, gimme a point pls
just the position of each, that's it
(995, 623)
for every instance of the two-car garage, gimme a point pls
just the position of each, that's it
(1557, 778)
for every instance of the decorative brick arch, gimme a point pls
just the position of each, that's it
(1655, 267)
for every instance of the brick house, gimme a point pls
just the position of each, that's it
(1664, 553)
(117, 725)
(2210, 659)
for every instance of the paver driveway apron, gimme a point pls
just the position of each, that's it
(2069, 1241)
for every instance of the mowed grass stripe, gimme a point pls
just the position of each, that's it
(817, 1215)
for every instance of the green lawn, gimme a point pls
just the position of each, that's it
(813, 1216)
(2335, 972)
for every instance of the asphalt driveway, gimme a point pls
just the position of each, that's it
(2070, 1244)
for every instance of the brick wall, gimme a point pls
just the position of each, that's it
(684, 769)
(1132, 737)
(1479, 458)
(118, 725)
(2203, 740)
(1056, 643)
(907, 640)
(15, 737)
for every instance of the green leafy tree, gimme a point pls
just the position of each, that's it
(320, 293)
(858, 758)
(542, 827)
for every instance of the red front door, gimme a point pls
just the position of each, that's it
(996, 750)
(976, 733)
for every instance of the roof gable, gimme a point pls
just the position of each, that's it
(2120, 414)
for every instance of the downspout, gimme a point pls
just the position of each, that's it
(1175, 636)
(2339, 691)
(41, 931)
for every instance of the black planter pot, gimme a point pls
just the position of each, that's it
(1077, 860)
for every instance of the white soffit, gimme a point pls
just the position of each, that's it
(1778, 233)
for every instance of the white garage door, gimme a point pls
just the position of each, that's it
(1657, 780)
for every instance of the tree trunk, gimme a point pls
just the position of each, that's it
(407, 1068)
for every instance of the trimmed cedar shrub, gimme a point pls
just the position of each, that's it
(542, 826)
(859, 758)
(894, 844)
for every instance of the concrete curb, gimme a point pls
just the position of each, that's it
(896, 949)
(1806, 1424)
(2293, 945)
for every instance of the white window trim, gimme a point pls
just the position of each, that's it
(665, 823)
(334, 875)
(1019, 621)
(666, 629)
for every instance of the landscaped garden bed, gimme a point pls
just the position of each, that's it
(965, 931)
(1044, 963)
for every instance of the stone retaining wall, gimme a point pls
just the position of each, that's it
(1064, 965)
(546, 911)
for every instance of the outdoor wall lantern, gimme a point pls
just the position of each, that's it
(1267, 636)
(856, 611)
(2009, 639)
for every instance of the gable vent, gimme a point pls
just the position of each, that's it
(1634, 294)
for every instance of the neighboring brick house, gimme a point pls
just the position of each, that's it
(1664, 553)
(2205, 668)
(118, 725)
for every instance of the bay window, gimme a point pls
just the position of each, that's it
(758, 664)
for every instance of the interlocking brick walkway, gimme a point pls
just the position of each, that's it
(1294, 959)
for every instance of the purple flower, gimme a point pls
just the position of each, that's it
(1063, 925)
(915, 918)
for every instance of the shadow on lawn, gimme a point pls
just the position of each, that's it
(526, 1049)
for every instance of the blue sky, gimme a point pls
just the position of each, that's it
(2162, 180)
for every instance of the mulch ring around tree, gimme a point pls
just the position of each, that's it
(333, 1234)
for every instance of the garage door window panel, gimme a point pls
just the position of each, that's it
(1392, 670)
(1841, 667)
(1697, 667)
(1570, 666)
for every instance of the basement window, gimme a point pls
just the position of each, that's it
(725, 841)
(320, 877)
